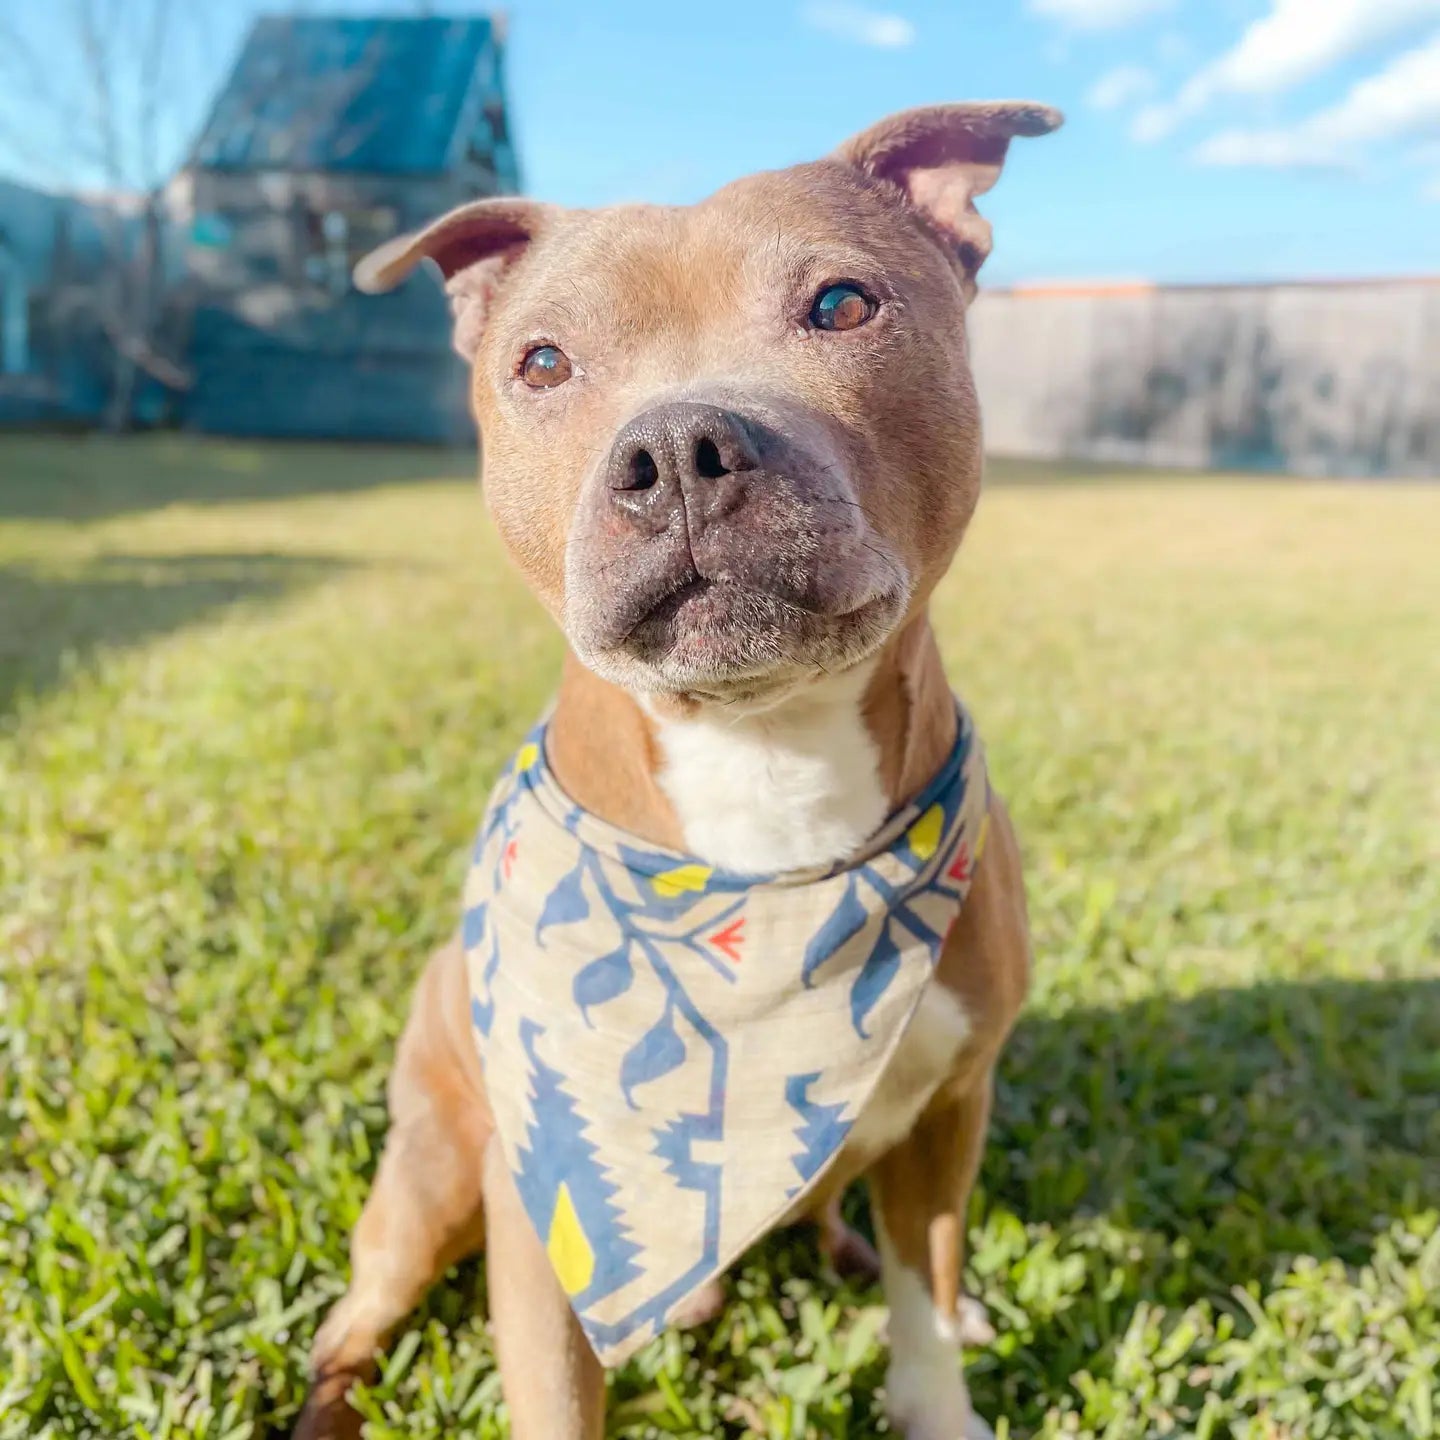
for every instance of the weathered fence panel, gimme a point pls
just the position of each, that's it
(1311, 378)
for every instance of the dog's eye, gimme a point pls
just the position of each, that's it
(544, 366)
(841, 307)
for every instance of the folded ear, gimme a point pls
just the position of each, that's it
(942, 156)
(473, 247)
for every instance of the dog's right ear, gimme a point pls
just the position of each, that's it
(472, 247)
(940, 157)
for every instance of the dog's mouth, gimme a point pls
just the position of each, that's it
(690, 599)
(712, 635)
(703, 612)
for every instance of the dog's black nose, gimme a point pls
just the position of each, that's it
(680, 455)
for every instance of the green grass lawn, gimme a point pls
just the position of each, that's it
(251, 701)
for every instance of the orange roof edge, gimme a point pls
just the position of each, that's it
(1081, 287)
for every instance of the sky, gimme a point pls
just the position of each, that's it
(1205, 139)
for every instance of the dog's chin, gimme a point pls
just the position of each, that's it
(718, 643)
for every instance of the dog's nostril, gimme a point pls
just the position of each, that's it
(707, 460)
(643, 472)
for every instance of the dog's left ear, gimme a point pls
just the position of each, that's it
(941, 157)
(474, 248)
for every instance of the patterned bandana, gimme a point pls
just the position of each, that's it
(675, 1053)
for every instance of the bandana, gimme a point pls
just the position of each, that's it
(675, 1053)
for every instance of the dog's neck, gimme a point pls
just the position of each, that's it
(805, 782)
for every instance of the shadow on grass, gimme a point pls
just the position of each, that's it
(55, 619)
(1277, 1119)
(1250, 1124)
(1212, 1137)
(1179, 1150)
(93, 477)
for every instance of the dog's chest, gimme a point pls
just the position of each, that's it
(799, 788)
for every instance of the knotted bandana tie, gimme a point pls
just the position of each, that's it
(675, 1053)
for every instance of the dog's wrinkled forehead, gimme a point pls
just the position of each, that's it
(677, 267)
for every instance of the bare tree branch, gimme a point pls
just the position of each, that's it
(98, 109)
(95, 49)
(140, 353)
(151, 70)
(31, 86)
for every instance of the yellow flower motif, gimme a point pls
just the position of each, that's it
(569, 1251)
(669, 884)
(924, 836)
(526, 756)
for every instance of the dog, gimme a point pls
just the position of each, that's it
(732, 447)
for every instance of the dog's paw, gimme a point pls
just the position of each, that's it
(969, 1326)
(327, 1414)
(972, 1427)
(927, 1399)
(849, 1252)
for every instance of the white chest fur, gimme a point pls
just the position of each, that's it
(797, 786)
(782, 789)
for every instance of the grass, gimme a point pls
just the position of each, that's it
(251, 700)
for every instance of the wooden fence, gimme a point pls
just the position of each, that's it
(1314, 378)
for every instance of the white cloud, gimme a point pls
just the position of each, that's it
(876, 28)
(1400, 102)
(1097, 14)
(1120, 86)
(1295, 41)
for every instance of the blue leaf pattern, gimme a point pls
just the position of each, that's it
(873, 980)
(603, 979)
(566, 903)
(472, 926)
(659, 1051)
(847, 919)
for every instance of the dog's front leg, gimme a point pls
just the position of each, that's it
(921, 1190)
(552, 1381)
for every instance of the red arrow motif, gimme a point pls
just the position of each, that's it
(960, 870)
(730, 939)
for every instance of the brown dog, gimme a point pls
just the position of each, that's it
(732, 447)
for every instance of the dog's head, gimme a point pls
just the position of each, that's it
(733, 446)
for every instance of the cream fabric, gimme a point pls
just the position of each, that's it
(674, 1053)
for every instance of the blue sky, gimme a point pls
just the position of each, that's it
(1206, 139)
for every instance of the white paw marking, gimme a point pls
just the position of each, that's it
(925, 1392)
(969, 1325)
